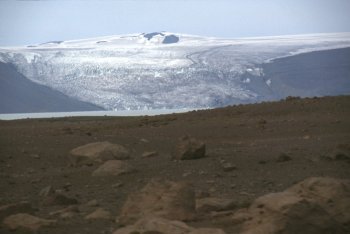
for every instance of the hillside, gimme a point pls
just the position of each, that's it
(20, 95)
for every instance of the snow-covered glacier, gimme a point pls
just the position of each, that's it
(162, 70)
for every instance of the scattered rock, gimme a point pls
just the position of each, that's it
(283, 158)
(209, 204)
(47, 191)
(59, 200)
(92, 203)
(262, 121)
(228, 167)
(67, 186)
(35, 181)
(14, 208)
(262, 162)
(26, 222)
(341, 152)
(144, 140)
(306, 137)
(112, 168)
(167, 199)
(99, 213)
(36, 156)
(98, 152)
(117, 185)
(150, 154)
(315, 205)
(189, 148)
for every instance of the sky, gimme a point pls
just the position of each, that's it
(25, 22)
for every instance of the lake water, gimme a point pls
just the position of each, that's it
(90, 113)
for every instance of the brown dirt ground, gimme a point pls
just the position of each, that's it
(249, 136)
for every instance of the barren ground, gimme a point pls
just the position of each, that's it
(34, 154)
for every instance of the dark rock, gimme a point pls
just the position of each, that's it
(149, 36)
(283, 158)
(59, 200)
(170, 39)
(189, 148)
(341, 152)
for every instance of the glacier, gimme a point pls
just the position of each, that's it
(162, 70)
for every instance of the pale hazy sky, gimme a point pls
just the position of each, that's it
(24, 22)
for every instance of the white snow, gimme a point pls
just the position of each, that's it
(246, 81)
(268, 82)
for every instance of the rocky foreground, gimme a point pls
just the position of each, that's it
(265, 168)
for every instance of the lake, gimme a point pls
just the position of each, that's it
(15, 116)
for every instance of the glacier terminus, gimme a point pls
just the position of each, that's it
(164, 70)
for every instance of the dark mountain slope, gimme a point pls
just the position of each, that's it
(18, 94)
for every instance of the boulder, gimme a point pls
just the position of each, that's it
(98, 152)
(26, 222)
(112, 168)
(189, 148)
(315, 205)
(14, 208)
(166, 199)
(331, 194)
